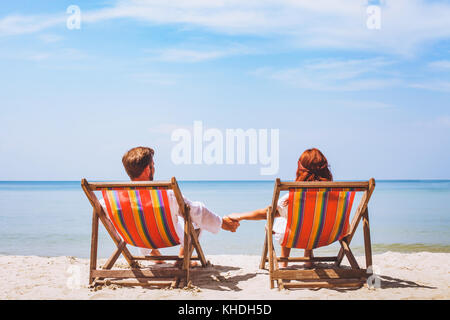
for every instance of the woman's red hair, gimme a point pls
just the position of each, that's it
(313, 166)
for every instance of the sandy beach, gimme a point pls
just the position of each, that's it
(421, 275)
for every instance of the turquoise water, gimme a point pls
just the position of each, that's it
(53, 218)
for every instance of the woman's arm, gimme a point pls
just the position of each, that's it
(259, 214)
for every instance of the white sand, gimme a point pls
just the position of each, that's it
(403, 276)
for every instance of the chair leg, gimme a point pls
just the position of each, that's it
(175, 284)
(198, 248)
(192, 245)
(339, 258)
(271, 260)
(94, 246)
(367, 242)
(349, 254)
(269, 228)
(187, 260)
(276, 268)
(272, 280)
(110, 262)
(191, 250)
(262, 264)
(113, 258)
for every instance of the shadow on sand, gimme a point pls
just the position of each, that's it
(216, 278)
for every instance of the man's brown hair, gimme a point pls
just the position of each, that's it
(136, 160)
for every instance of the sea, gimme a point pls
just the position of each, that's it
(53, 218)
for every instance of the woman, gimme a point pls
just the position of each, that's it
(312, 166)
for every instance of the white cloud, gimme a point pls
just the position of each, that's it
(442, 121)
(165, 128)
(441, 64)
(351, 75)
(20, 24)
(434, 85)
(197, 55)
(156, 78)
(406, 25)
(50, 38)
(59, 55)
(335, 75)
(362, 104)
(38, 56)
(182, 55)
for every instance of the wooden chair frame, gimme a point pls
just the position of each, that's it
(317, 277)
(161, 276)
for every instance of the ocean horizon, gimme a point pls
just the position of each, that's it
(53, 218)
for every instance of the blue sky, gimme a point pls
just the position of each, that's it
(376, 102)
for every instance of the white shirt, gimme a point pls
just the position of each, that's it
(201, 216)
(279, 224)
(283, 206)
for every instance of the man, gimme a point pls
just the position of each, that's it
(139, 165)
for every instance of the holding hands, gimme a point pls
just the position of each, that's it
(234, 216)
(230, 224)
(231, 221)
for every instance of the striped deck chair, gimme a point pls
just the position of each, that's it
(138, 214)
(318, 215)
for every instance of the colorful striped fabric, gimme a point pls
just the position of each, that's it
(317, 217)
(141, 216)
